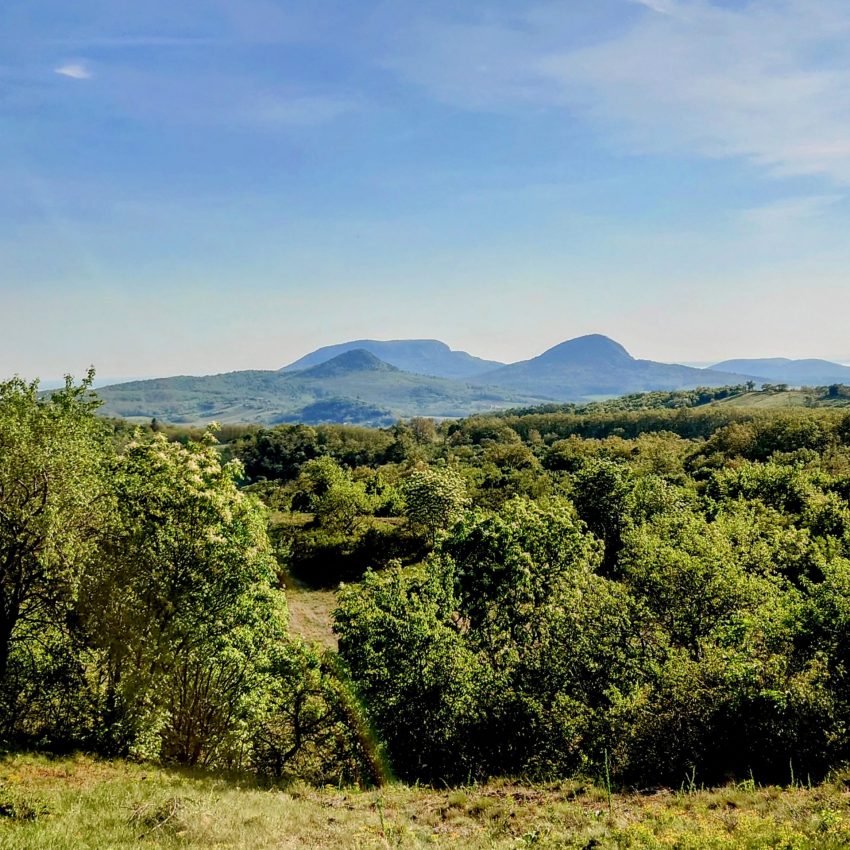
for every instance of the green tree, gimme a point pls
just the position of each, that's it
(693, 575)
(312, 726)
(433, 498)
(336, 501)
(278, 453)
(182, 609)
(602, 493)
(54, 509)
(498, 655)
(399, 636)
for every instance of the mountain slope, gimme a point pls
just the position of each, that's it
(355, 361)
(781, 370)
(354, 387)
(593, 366)
(419, 356)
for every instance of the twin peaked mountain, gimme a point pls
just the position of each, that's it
(577, 370)
(373, 382)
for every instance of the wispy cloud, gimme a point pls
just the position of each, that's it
(766, 80)
(74, 70)
(298, 110)
(129, 41)
(663, 7)
(788, 213)
(222, 98)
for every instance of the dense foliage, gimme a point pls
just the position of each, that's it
(656, 592)
(661, 591)
(141, 610)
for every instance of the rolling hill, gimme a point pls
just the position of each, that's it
(797, 373)
(357, 386)
(595, 366)
(419, 356)
(353, 387)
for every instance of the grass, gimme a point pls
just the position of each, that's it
(311, 614)
(772, 400)
(84, 804)
(782, 400)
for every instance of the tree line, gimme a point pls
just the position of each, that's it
(522, 599)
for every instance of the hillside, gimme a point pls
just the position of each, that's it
(596, 366)
(734, 396)
(777, 400)
(419, 356)
(557, 555)
(358, 386)
(781, 370)
(354, 387)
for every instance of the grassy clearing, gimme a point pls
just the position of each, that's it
(311, 614)
(780, 400)
(80, 803)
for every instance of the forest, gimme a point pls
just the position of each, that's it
(641, 594)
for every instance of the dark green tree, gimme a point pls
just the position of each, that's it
(55, 508)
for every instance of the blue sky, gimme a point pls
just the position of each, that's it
(212, 185)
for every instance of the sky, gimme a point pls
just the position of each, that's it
(209, 185)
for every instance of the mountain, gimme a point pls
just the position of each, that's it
(798, 373)
(419, 356)
(595, 366)
(357, 386)
(353, 387)
(358, 360)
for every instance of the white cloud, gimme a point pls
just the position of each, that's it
(765, 80)
(769, 82)
(787, 214)
(298, 110)
(74, 70)
(663, 7)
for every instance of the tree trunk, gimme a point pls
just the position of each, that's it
(8, 618)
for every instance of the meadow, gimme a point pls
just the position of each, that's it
(79, 803)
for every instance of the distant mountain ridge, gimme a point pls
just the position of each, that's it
(354, 387)
(351, 383)
(596, 366)
(810, 372)
(419, 356)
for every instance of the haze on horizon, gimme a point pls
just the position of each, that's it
(229, 184)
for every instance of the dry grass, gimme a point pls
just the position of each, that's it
(311, 614)
(81, 803)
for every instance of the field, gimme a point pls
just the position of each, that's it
(782, 400)
(311, 614)
(79, 804)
